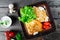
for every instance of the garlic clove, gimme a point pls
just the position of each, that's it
(11, 6)
(11, 11)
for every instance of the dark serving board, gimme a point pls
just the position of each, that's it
(50, 17)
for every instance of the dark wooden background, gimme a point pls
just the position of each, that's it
(54, 7)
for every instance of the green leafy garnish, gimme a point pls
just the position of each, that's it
(18, 36)
(27, 14)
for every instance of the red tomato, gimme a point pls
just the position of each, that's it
(7, 35)
(46, 23)
(46, 27)
(7, 38)
(11, 34)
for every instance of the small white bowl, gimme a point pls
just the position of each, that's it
(6, 19)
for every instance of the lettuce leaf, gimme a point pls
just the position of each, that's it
(27, 14)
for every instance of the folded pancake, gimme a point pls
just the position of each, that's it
(33, 27)
(40, 13)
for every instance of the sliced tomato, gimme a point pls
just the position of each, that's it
(46, 27)
(46, 23)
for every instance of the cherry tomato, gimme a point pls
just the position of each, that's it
(11, 34)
